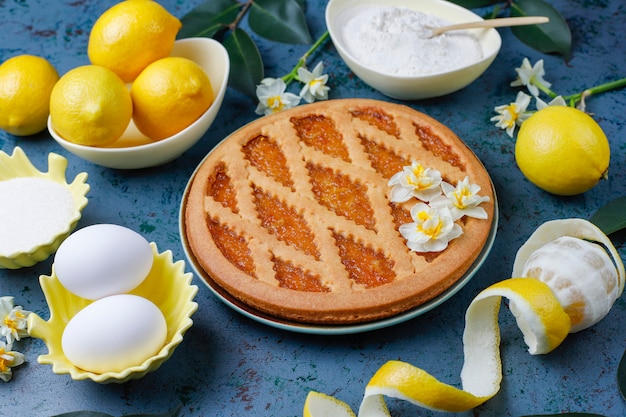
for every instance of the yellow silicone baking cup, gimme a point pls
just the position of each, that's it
(167, 285)
(17, 166)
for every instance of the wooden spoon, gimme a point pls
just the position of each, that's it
(491, 23)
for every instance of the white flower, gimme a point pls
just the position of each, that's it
(512, 114)
(273, 98)
(315, 87)
(8, 359)
(556, 101)
(431, 230)
(12, 320)
(415, 181)
(462, 200)
(531, 76)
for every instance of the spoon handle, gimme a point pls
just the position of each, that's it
(492, 23)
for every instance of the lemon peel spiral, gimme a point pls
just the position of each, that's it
(541, 311)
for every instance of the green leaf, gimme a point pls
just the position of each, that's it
(174, 412)
(611, 217)
(621, 375)
(566, 415)
(279, 20)
(246, 64)
(552, 37)
(209, 18)
(474, 4)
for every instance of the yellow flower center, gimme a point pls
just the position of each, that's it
(12, 324)
(418, 170)
(275, 103)
(4, 367)
(512, 109)
(419, 183)
(459, 195)
(432, 231)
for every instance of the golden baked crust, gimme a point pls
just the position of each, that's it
(291, 214)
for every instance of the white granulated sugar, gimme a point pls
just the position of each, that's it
(32, 212)
(395, 40)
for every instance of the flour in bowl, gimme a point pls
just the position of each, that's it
(396, 41)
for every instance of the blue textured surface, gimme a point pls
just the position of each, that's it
(229, 365)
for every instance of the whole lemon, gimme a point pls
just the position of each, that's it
(562, 150)
(130, 35)
(169, 95)
(25, 85)
(90, 105)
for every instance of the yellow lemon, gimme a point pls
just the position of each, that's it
(169, 95)
(130, 35)
(25, 85)
(90, 105)
(562, 150)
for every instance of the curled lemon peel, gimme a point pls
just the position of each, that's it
(404, 381)
(539, 314)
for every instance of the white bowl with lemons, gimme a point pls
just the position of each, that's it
(134, 150)
(411, 85)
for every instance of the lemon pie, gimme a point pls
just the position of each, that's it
(292, 214)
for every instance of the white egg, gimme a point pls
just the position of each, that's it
(102, 260)
(114, 333)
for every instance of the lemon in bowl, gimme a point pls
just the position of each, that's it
(134, 149)
(90, 105)
(169, 95)
(130, 35)
(383, 45)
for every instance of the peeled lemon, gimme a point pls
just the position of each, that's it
(90, 105)
(26, 82)
(562, 150)
(579, 263)
(169, 95)
(130, 35)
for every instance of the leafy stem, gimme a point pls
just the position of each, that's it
(613, 85)
(293, 74)
(546, 90)
(244, 10)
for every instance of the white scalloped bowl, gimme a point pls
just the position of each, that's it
(415, 87)
(134, 150)
(19, 166)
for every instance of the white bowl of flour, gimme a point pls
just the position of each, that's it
(388, 45)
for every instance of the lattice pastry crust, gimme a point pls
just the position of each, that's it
(291, 213)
